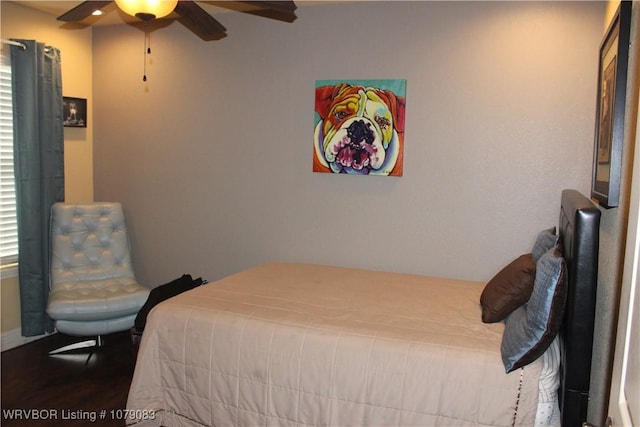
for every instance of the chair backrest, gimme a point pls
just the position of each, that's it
(89, 242)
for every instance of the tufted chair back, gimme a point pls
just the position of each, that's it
(93, 287)
(89, 242)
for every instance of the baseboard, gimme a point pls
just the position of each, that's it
(13, 338)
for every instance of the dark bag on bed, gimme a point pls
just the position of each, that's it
(164, 292)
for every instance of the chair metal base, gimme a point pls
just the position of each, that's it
(92, 344)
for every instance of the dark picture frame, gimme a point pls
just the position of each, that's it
(612, 87)
(74, 112)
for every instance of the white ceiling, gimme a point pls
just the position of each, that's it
(54, 8)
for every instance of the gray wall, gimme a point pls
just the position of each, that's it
(613, 231)
(212, 156)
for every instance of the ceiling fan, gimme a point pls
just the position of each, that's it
(190, 14)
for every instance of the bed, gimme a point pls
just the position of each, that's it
(304, 344)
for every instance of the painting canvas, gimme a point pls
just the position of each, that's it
(606, 117)
(359, 127)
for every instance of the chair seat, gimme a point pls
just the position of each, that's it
(96, 299)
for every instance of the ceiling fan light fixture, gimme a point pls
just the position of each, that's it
(147, 10)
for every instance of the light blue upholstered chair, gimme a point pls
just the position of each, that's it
(94, 291)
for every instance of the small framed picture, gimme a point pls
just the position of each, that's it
(75, 112)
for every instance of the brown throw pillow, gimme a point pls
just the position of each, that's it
(508, 289)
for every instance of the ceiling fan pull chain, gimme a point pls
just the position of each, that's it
(147, 51)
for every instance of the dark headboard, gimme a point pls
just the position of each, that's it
(579, 235)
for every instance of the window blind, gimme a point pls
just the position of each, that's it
(8, 222)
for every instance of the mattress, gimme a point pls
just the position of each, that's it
(307, 345)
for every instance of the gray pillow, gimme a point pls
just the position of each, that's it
(531, 328)
(545, 240)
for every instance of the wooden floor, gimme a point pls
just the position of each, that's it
(67, 390)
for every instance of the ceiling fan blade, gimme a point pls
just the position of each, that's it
(280, 10)
(82, 11)
(199, 21)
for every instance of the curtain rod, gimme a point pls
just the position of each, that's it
(13, 43)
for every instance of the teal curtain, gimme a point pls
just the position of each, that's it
(39, 170)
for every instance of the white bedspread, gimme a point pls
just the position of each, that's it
(299, 344)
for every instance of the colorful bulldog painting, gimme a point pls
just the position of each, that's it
(359, 127)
